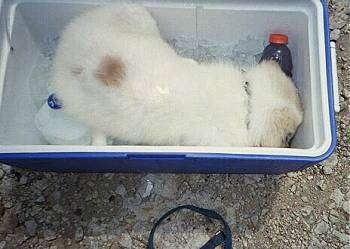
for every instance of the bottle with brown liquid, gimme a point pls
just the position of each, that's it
(278, 51)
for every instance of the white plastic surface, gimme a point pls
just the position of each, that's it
(32, 21)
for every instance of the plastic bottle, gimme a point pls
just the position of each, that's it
(278, 51)
(59, 128)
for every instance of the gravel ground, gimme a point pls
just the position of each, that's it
(309, 209)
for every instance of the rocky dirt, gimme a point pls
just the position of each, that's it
(308, 209)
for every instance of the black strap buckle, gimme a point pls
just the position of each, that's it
(218, 239)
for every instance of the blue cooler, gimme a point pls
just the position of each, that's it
(26, 24)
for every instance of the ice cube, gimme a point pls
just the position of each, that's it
(39, 80)
(250, 46)
(184, 46)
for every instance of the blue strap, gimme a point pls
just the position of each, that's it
(222, 237)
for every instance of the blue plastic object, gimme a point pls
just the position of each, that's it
(54, 102)
(180, 162)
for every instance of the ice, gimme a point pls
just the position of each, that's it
(39, 81)
(245, 53)
(184, 46)
(250, 46)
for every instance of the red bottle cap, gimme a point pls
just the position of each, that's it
(279, 39)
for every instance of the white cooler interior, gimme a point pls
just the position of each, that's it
(31, 23)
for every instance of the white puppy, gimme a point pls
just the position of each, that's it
(114, 71)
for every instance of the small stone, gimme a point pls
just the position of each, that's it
(90, 184)
(264, 211)
(56, 196)
(49, 235)
(316, 244)
(334, 213)
(53, 247)
(58, 208)
(293, 189)
(79, 234)
(31, 227)
(335, 34)
(306, 211)
(23, 180)
(41, 185)
(338, 197)
(292, 174)
(8, 204)
(321, 228)
(344, 238)
(108, 175)
(120, 190)
(310, 177)
(342, 102)
(245, 243)
(346, 207)
(334, 216)
(2, 244)
(334, 219)
(327, 170)
(40, 199)
(337, 22)
(8, 222)
(125, 240)
(321, 184)
(6, 168)
(230, 214)
(104, 238)
(252, 178)
(145, 189)
(329, 165)
(94, 194)
(2, 173)
(304, 198)
(346, 93)
(88, 197)
(2, 209)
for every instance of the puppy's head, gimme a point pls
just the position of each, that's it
(282, 124)
(275, 107)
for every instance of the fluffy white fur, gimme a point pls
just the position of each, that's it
(160, 98)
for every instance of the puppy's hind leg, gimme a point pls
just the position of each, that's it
(98, 138)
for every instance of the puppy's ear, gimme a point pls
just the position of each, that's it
(279, 125)
(111, 71)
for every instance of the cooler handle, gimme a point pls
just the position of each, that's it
(335, 77)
